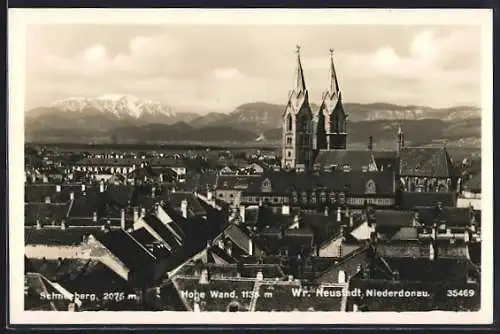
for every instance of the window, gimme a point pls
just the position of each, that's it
(370, 187)
(333, 198)
(304, 198)
(289, 122)
(313, 198)
(288, 154)
(323, 197)
(289, 140)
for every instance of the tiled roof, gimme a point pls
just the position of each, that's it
(194, 206)
(46, 213)
(161, 230)
(450, 215)
(355, 159)
(36, 286)
(166, 162)
(426, 162)
(215, 303)
(240, 182)
(37, 193)
(394, 218)
(403, 249)
(474, 184)
(353, 182)
(409, 200)
(283, 298)
(426, 270)
(56, 236)
(127, 249)
(232, 270)
(406, 233)
(127, 162)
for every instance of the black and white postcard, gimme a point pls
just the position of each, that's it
(170, 165)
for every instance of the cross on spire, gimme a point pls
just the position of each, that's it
(300, 85)
(334, 85)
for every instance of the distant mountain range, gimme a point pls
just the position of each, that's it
(121, 118)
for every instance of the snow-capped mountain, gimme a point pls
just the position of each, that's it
(121, 106)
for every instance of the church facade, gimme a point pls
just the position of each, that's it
(316, 140)
(306, 132)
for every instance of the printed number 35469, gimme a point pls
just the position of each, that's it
(460, 293)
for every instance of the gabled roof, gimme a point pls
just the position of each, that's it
(36, 286)
(354, 182)
(160, 229)
(394, 218)
(46, 213)
(426, 162)
(473, 184)
(409, 200)
(56, 236)
(194, 206)
(356, 160)
(450, 215)
(127, 249)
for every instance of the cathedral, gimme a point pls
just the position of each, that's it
(305, 131)
(317, 139)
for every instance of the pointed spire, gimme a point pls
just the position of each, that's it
(334, 84)
(300, 84)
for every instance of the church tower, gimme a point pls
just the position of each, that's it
(297, 129)
(331, 132)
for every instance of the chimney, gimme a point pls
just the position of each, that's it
(38, 224)
(161, 177)
(184, 208)
(250, 246)
(143, 212)
(210, 195)
(466, 237)
(229, 247)
(157, 208)
(136, 214)
(122, 219)
(94, 216)
(196, 306)
(341, 276)
(101, 186)
(72, 196)
(432, 253)
(47, 199)
(153, 192)
(204, 277)
(260, 275)
(290, 278)
(83, 187)
(63, 224)
(339, 215)
(285, 210)
(58, 188)
(355, 307)
(326, 211)
(242, 213)
(351, 220)
(45, 179)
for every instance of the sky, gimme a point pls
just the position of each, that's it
(204, 68)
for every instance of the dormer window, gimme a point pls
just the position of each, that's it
(295, 197)
(333, 198)
(266, 185)
(304, 198)
(370, 187)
